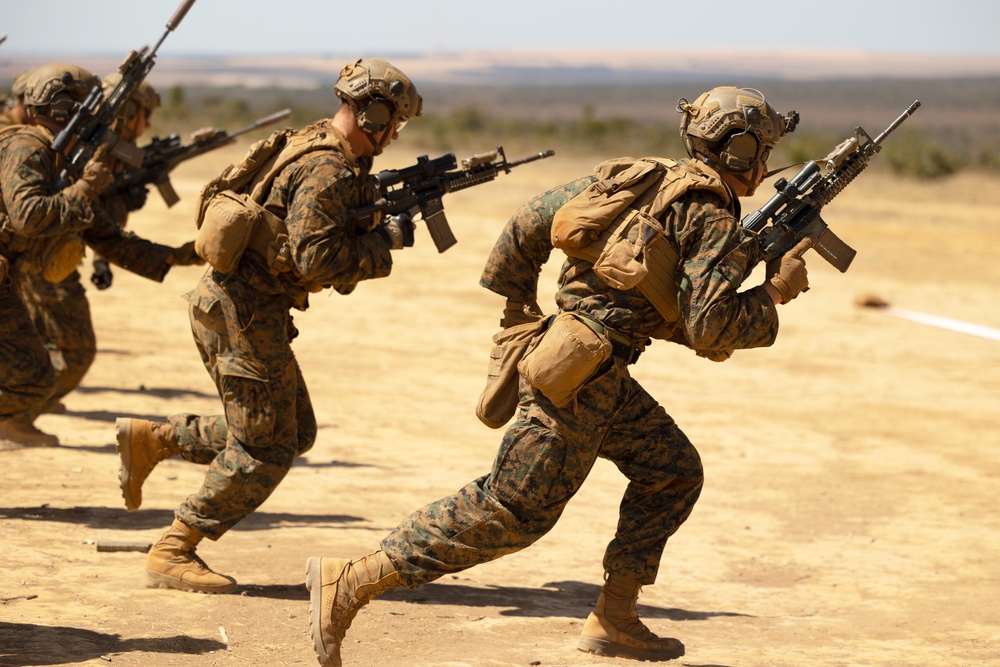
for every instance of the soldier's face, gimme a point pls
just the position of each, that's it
(380, 140)
(745, 183)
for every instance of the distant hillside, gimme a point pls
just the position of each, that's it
(605, 102)
(548, 68)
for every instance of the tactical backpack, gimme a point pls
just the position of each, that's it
(616, 224)
(231, 214)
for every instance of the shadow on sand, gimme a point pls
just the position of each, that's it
(27, 644)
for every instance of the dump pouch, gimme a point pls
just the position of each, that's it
(568, 354)
(498, 402)
(59, 257)
(226, 228)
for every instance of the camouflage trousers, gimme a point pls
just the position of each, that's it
(545, 456)
(27, 376)
(244, 338)
(61, 314)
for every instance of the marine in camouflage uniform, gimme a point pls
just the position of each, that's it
(36, 219)
(61, 310)
(548, 450)
(243, 328)
(12, 110)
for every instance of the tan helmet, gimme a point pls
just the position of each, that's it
(379, 94)
(54, 89)
(145, 98)
(732, 128)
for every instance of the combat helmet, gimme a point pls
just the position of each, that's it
(54, 89)
(379, 94)
(144, 98)
(732, 128)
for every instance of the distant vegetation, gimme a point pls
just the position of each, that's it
(957, 128)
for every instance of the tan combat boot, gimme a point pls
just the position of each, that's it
(172, 563)
(614, 629)
(141, 445)
(19, 431)
(338, 589)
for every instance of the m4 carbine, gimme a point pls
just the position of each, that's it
(161, 156)
(418, 189)
(794, 212)
(93, 121)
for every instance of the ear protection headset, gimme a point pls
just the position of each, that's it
(375, 116)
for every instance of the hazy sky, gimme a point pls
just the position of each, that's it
(296, 27)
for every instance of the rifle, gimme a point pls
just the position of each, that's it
(93, 121)
(418, 189)
(795, 210)
(161, 156)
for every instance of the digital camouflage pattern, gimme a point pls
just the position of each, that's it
(547, 452)
(244, 338)
(313, 196)
(243, 329)
(61, 316)
(32, 215)
(61, 311)
(26, 372)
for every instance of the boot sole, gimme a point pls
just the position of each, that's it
(154, 580)
(612, 650)
(314, 584)
(123, 435)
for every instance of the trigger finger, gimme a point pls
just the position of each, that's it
(802, 246)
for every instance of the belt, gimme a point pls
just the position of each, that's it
(622, 346)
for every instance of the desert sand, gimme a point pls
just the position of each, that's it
(848, 516)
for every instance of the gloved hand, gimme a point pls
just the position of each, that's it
(185, 256)
(96, 176)
(516, 312)
(135, 197)
(397, 231)
(787, 274)
(102, 276)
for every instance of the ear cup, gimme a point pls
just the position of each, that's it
(375, 116)
(739, 151)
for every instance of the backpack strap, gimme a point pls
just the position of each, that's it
(633, 251)
(270, 237)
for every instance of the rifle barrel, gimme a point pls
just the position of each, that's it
(179, 15)
(531, 158)
(265, 121)
(896, 123)
(172, 24)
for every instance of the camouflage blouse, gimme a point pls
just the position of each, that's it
(313, 195)
(28, 172)
(716, 257)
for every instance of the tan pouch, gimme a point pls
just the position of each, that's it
(226, 229)
(60, 257)
(568, 355)
(498, 402)
(585, 217)
(622, 263)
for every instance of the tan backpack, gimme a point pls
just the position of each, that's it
(231, 215)
(616, 224)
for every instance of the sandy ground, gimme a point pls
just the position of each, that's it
(848, 516)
